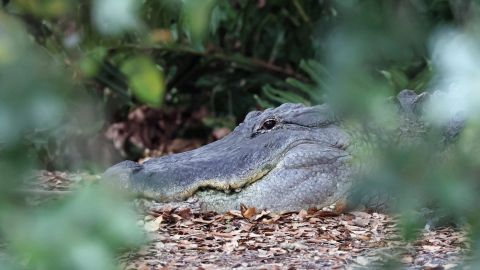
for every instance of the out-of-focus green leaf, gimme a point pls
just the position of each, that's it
(221, 13)
(422, 78)
(469, 143)
(220, 122)
(113, 17)
(46, 8)
(396, 78)
(92, 61)
(145, 79)
(33, 103)
(87, 238)
(196, 16)
(87, 228)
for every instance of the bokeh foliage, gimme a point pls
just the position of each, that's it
(68, 69)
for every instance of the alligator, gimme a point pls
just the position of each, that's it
(283, 159)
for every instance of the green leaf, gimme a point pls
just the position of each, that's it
(145, 80)
(396, 78)
(308, 89)
(422, 79)
(281, 96)
(46, 8)
(196, 16)
(317, 72)
(114, 17)
(263, 103)
(92, 61)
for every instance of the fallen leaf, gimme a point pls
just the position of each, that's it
(248, 212)
(341, 206)
(185, 213)
(153, 225)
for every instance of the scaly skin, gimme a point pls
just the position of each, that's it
(283, 159)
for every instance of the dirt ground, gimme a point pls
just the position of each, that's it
(183, 237)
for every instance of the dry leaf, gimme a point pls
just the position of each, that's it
(263, 214)
(248, 212)
(185, 213)
(235, 213)
(302, 214)
(341, 206)
(153, 225)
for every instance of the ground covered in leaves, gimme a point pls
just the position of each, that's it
(182, 237)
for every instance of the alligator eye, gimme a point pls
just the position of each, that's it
(269, 124)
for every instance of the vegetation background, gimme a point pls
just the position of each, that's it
(86, 83)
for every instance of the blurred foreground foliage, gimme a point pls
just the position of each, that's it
(82, 231)
(69, 70)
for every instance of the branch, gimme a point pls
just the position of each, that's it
(237, 58)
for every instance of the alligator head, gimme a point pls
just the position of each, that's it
(286, 158)
(282, 159)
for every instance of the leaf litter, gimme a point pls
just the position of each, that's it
(248, 238)
(183, 237)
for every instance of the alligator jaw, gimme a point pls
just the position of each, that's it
(237, 180)
(223, 165)
(293, 184)
(207, 184)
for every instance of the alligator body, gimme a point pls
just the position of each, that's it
(287, 158)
